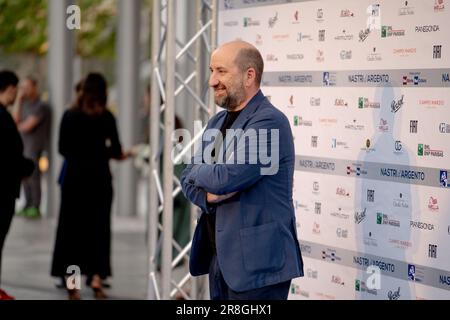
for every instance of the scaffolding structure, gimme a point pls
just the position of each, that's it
(167, 84)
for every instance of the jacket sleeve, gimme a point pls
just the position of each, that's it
(224, 178)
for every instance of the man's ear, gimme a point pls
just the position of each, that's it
(250, 76)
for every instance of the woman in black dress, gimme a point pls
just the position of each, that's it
(88, 140)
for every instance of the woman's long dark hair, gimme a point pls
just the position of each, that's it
(93, 97)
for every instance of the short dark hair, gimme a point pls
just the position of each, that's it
(7, 78)
(250, 58)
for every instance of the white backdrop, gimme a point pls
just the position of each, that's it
(365, 85)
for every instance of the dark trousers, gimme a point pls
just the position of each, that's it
(7, 206)
(219, 290)
(32, 184)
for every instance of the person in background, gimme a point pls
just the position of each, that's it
(88, 139)
(32, 117)
(13, 165)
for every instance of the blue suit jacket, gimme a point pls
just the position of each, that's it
(256, 235)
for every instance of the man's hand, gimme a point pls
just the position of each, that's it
(214, 198)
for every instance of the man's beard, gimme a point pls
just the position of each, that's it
(231, 101)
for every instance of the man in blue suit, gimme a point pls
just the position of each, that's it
(246, 236)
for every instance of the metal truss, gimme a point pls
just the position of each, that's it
(167, 84)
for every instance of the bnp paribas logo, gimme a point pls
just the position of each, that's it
(420, 149)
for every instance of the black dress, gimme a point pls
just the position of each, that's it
(83, 238)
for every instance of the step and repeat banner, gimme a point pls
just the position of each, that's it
(366, 86)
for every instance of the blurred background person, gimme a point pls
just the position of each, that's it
(13, 165)
(32, 117)
(88, 140)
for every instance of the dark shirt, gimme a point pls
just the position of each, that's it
(211, 218)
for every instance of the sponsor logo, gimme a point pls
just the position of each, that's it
(299, 121)
(383, 126)
(273, 20)
(429, 28)
(388, 31)
(339, 214)
(433, 204)
(367, 148)
(330, 255)
(437, 51)
(342, 192)
(322, 35)
(327, 121)
(444, 127)
(296, 17)
(305, 248)
(295, 289)
(337, 280)
(320, 56)
(363, 34)
(271, 57)
(416, 273)
(445, 77)
(301, 37)
(249, 22)
(370, 195)
(366, 262)
(360, 286)
(374, 55)
(396, 105)
(398, 147)
(311, 273)
(360, 216)
(329, 78)
(425, 150)
(443, 178)
(345, 54)
(258, 40)
(317, 208)
(383, 219)
(344, 36)
(354, 126)
(406, 10)
(294, 56)
(431, 103)
(365, 103)
(314, 102)
(394, 295)
(368, 78)
(319, 15)
(345, 13)
(338, 102)
(404, 52)
(316, 228)
(291, 101)
(370, 241)
(336, 143)
(401, 244)
(281, 37)
(316, 187)
(314, 141)
(413, 78)
(327, 166)
(232, 23)
(413, 126)
(357, 170)
(400, 202)
(439, 5)
(341, 233)
(402, 174)
(228, 4)
(432, 251)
